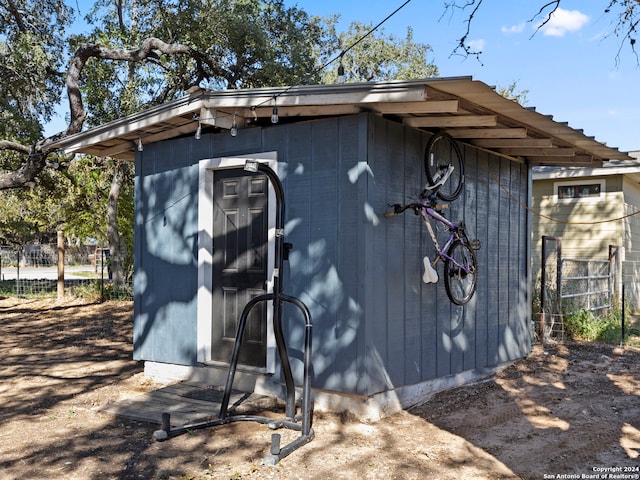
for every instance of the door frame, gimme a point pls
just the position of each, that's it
(206, 170)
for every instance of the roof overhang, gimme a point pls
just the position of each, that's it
(630, 169)
(469, 110)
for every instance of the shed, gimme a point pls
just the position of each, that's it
(383, 340)
(592, 209)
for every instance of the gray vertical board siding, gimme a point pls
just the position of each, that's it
(319, 164)
(392, 155)
(520, 253)
(455, 341)
(466, 340)
(166, 230)
(451, 339)
(294, 151)
(411, 255)
(324, 282)
(495, 257)
(352, 179)
(166, 235)
(504, 239)
(376, 326)
(429, 352)
(482, 233)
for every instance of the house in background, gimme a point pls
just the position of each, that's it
(591, 209)
(382, 339)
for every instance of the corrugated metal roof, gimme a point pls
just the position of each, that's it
(468, 109)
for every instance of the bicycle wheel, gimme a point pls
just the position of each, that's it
(459, 283)
(442, 151)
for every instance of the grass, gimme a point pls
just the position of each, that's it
(90, 289)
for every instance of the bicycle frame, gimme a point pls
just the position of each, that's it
(455, 232)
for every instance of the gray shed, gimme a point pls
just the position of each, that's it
(382, 339)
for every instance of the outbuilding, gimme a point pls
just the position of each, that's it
(382, 339)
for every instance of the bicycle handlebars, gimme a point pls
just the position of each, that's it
(397, 208)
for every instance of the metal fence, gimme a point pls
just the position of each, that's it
(550, 320)
(586, 284)
(33, 270)
(570, 284)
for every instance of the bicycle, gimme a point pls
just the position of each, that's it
(458, 252)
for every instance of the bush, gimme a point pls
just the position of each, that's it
(585, 325)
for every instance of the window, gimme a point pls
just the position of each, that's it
(579, 191)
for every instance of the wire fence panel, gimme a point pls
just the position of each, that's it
(586, 284)
(571, 287)
(33, 270)
(551, 324)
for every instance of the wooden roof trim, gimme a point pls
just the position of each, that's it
(424, 107)
(544, 152)
(537, 125)
(480, 133)
(513, 142)
(306, 96)
(575, 160)
(300, 111)
(469, 110)
(452, 121)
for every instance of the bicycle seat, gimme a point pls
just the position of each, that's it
(430, 275)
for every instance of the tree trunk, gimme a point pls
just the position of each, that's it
(113, 233)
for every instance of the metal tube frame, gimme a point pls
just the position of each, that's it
(279, 298)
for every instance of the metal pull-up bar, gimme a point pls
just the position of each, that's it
(291, 420)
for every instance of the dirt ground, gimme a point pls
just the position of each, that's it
(567, 411)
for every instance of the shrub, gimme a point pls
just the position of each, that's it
(583, 324)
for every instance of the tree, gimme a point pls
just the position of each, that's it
(262, 43)
(625, 12)
(367, 55)
(510, 92)
(221, 43)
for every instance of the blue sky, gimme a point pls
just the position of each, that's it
(569, 69)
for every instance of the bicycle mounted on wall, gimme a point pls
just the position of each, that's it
(444, 169)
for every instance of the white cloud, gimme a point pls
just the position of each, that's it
(513, 28)
(563, 21)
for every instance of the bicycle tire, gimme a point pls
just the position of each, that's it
(459, 284)
(441, 151)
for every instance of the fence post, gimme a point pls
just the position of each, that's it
(616, 254)
(622, 320)
(18, 273)
(60, 265)
(543, 289)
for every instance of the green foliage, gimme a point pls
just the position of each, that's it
(377, 56)
(32, 38)
(248, 43)
(72, 199)
(241, 44)
(510, 92)
(585, 325)
(97, 291)
(34, 215)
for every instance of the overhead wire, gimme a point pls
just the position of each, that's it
(319, 69)
(340, 55)
(552, 219)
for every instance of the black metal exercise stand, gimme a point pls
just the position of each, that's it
(291, 419)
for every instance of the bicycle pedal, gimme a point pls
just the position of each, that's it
(441, 206)
(475, 244)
